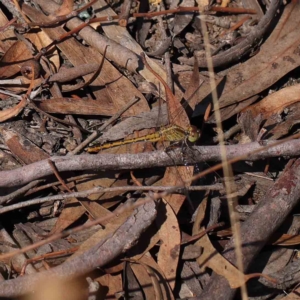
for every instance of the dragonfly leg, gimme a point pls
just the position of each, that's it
(187, 145)
(173, 146)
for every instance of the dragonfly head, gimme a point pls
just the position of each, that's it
(193, 134)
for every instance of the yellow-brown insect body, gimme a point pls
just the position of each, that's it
(171, 133)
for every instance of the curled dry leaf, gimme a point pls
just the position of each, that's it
(12, 60)
(31, 69)
(275, 103)
(12, 112)
(271, 106)
(148, 260)
(148, 280)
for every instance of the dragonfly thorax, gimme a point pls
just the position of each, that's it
(193, 134)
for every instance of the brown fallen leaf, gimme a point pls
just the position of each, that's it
(148, 260)
(174, 175)
(74, 106)
(276, 102)
(267, 109)
(147, 280)
(7, 37)
(169, 250)
(13, 58)
(212, 259)
(113, 283)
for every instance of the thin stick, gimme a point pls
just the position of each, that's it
(99, 190)
(20, 191)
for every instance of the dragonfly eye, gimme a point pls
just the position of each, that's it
(193, 134)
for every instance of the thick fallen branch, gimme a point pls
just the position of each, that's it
(105, 162)
(268, 215)
(105, 251)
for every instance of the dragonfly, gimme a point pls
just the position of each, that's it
(171, 133)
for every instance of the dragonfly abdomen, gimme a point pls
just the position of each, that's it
(171, 133)
(153, 137)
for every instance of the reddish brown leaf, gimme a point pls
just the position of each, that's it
(74, 106)
(12, 60)
(276, 102)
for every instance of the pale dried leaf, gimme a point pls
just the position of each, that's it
(168, 254)
(147, 280)
(275, 103)
(212, 259)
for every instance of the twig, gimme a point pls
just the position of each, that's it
(48, 255)
(19, 192)
(2, 28)
(201, 234)
(230, 132)
(180, 9)
(251, 151)
(110, 18)
(99, 190)
(56, 173)
(235, 26)
(49, 185)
